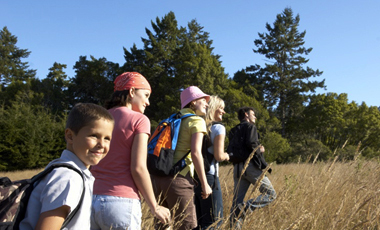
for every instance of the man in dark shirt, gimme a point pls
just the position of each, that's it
(249, 139)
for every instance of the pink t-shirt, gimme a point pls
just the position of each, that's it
(113, 174)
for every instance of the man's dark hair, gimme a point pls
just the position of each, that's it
(243, 110)
(83, 114)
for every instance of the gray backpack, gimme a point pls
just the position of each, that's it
(14, 197)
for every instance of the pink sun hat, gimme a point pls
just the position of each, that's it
(190, 94)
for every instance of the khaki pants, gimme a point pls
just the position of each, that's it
(177, 195)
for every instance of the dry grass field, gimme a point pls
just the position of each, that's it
(318, 195)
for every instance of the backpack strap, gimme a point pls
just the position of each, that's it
(47, 171)
(217, 123)
(187, 115)
(178, 115)
(178, 166)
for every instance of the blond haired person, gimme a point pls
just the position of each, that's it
(210, 210)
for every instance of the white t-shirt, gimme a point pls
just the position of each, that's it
(62, 186)
(216, 130)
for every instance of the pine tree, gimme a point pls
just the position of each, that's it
(30, 136)
(12, 68)
(172, 59)
(285, 82)
(54, 88)
(93, 82)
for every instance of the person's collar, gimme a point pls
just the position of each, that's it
(186, 111)
(67, 155)
(245, 121)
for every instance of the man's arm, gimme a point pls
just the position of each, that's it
(252, 138)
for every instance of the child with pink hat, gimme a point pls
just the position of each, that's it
(178, 191)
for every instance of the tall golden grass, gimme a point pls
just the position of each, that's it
(330, 195)
(318, 195)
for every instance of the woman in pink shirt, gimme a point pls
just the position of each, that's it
(121, 175)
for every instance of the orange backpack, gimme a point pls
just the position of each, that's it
(162, 145)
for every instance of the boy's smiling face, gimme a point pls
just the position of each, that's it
(92, 142)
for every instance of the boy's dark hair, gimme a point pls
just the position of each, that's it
(243, 110)
(83, 114)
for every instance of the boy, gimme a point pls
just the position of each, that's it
(88, 135)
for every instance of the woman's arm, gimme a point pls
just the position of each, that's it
(219, 153)
(53, 219)
(142, 179)
(196, 156)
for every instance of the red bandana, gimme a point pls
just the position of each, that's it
(127, 80)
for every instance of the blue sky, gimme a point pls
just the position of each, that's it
(344, 34)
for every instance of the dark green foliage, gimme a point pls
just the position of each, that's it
(33, 111)
(364, 126)
(369, 153)
(251, 84)
(330, 119)
(172, 59)
(18, 88)
(30, 137)
(347, 153)
(309, 149)
(285, 83)
(54, 89)
(12, 68)
(277, 149)
(15, 74)
(93, 82)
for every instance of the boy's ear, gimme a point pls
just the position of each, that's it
(69, 136)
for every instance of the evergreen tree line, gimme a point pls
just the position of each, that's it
(294, 122)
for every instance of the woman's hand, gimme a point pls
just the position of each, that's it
(142, 179)
(162, 213)
(196, 156)
(206, 191)
(227, 158)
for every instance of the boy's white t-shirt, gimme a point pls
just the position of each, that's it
(62, 186)
(215, 130)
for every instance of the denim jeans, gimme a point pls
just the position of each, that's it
(209, 210)
(112, 212)
(250, 176)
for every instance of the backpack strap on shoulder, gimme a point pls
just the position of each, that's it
(180, 165)
(48, 170)
(186, 115)
(217, 123)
